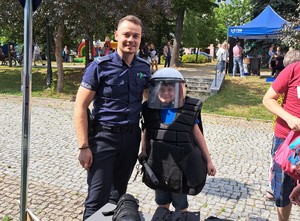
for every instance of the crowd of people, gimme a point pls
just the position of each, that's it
(242, 63)
(151, 54)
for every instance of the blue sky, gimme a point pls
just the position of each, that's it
(227, 1)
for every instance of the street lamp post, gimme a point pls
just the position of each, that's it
(49, 68)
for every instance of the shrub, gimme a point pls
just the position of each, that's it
(191, 58)
(162, 60)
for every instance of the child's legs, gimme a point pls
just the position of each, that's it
(164, 199)
(179, 201)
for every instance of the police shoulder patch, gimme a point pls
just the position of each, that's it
(142, 60)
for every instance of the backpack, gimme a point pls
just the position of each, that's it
(127, 209)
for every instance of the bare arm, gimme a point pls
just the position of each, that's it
(143, 144)
(271, 103)
(146, 94)
(83, 99)
(200, 141)
(295, 195)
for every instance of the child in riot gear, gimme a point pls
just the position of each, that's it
(172, 142)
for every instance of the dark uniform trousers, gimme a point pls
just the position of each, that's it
(115, 151)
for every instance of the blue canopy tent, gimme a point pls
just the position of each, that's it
(266, 25)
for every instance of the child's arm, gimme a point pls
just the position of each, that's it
(200, 141)
(143, 144)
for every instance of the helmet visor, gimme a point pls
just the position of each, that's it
(166, 94)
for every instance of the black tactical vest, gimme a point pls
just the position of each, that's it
(172, 153)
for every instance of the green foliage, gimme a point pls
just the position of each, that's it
(285, 8)
(196, 29)
(11, 21)
(191, 58)
(289, 11)
(291, 36)
(162, 59)
(6, 218)
(236, 13)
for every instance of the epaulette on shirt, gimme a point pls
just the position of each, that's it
(102, 59)
(142, 60)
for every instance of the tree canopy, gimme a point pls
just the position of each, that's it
(188, 23)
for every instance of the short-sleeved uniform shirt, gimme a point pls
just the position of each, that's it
(287, 82)
(119, 89)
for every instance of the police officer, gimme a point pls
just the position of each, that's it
(115, 83)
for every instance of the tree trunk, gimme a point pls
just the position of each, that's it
(91, 47)
(87, 51)
(59, 60)
(178, 36)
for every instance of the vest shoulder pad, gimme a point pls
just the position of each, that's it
(194, 102)
(99, 60)
(142, 60)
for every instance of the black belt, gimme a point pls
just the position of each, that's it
(115, 129)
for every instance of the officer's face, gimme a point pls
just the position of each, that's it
(166, 94)
(128, 36)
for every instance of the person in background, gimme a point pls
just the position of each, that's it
(278, 65)
(65, 54)
(37, 55)
(2, 56)
(288, 118)
(167, 52)
(238, 59)
(168, 112)
(154, 57)
(98, 46)
(115, 83)
(107, 47)
(226, 47)
(221, 56)
(291, 57)
(12, 51)
(144, 52)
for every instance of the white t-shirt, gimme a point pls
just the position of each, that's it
(37, 50)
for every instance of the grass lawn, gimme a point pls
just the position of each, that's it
(239, 97)
(10, 81)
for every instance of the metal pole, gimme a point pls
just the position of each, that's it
(49, 68)
(216, 74)
(26, 106)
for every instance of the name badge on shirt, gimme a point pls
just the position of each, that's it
(298, 91)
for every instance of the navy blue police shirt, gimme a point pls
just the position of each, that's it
(119, 88)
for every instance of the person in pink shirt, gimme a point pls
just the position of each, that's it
(238, 59)
(288, 118)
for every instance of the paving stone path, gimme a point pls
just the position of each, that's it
(57, 183)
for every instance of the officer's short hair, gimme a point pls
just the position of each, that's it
(132, 19)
